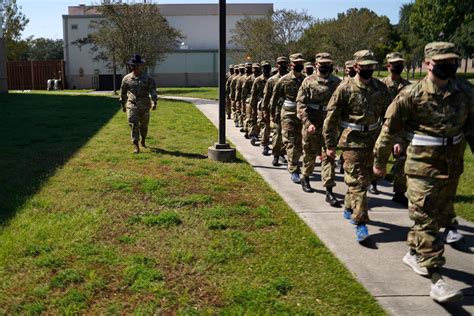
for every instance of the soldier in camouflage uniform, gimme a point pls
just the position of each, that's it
(238, 95)
(313, 97)
(136, 89)
(438, 115)
(286, 89)
(358, 106)
(395, 83)
(246, 90)
(228, 103)
(233, 94)
(349, 71)
(272, 114)
(308, 68)
(256, 100)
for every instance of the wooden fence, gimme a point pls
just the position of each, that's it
(33, 75)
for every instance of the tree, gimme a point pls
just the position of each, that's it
(14, 24)
(276, 34)
(413, 45)
(45, 49)
(464, 39)
(128, 29)
(351, 31)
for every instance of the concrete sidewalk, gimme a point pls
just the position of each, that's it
(378, 266)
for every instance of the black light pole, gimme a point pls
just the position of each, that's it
(221, 151)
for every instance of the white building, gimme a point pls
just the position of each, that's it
(194, 64)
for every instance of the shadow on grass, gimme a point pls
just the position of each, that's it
(177, 153)
(40, 133)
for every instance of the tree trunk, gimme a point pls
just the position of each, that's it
(465, 65)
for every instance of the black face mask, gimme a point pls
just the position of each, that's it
(242, 71)
(325, 69)
(257, 72)
(397, 69)
(444, 71)
(352, 73)
(309, 71)
(366, 73)
(298, 67)
(266, 71)
(248, 71)
(283, 69)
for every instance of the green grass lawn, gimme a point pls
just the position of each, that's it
(88, 227)
(211, 93)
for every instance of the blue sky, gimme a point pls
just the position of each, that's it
(46, 15)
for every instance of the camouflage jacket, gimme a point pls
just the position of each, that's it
(228, 84)
(256, 95)
(424, 109)
(233, 86)
(355, 102)
(286, 89)
(239, 87)
(267, 94)
(394, 87)
(247, 88)
(316, 91)
(136, 91)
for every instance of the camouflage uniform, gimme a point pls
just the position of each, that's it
(286, 89)
(240, 101)
(312, 100)
(358, 108)
(273, 113)
(256, 100)
(246, 94)
(233, 95)
(228, 101)
(438, 123)
(135, 97)
(394, 87)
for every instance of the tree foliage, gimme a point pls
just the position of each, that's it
(14, 24)
(45, 49)
(276, 34)
(351, 31)
(128, 29)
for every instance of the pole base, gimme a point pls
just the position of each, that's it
(221, 152)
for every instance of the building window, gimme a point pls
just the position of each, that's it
(73, 26)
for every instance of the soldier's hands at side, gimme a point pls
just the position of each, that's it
(379, 172)
(311, 129)
(397, 150)
(331, 153)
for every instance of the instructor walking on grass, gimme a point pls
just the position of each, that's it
(136, 89)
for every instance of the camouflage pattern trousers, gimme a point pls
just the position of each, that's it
(263, 123)
(292, 139)
(357, 176)
(138, 119)
(250, 123)
(228, 106)
(398, 172)
(431, 208)
(277, 138)
(313, 147)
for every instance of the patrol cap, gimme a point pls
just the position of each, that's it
(241, 66)
(248, 65)
(255, 65)
(365, 57)
(231, 66)
(440, 50)
(282, 59)
(349, 64)
(136, 60)
(265, 63)
(296, 57)
(308, 65)
(236, 66)
(323, 58)
(394, 57)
